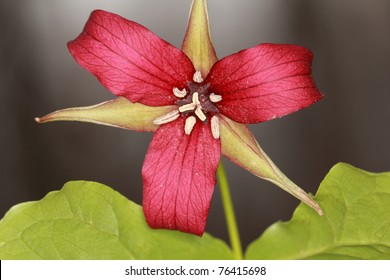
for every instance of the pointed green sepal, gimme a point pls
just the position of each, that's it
(118, 112)
(197, 44)
(239, 145)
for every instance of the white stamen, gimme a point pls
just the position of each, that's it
(189, 125)
(215, 127)
(200, 114)
(171, 116)
(195, 98)
(187, 107)
(179, 93)
(215, 97)
(197, 77)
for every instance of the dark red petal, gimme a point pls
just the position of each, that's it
(264, 82)
(130, 60)
(179, 177)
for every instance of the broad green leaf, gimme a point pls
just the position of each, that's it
(87, 220)
(355, 225)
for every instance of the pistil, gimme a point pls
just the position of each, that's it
(194, 102)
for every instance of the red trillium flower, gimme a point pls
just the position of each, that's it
(194, 105)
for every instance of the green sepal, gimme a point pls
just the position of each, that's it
(197, 44)
(239, 145)
(118, 112)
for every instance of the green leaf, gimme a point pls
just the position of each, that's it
(87, 220)
(355, 225)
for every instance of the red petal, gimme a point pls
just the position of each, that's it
(264, 82)
(130, 60)
(179, 177)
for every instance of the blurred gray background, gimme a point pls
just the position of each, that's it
(351, 44)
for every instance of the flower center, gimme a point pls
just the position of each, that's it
(194, 102)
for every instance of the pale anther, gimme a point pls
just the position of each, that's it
(200, 114)
(195, 98)
(171, 116)
(189, 125)
(179, 93)
(187, 107)
(215, 97)
(197, 77)
(215, 127)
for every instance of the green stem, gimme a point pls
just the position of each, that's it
(234, 235)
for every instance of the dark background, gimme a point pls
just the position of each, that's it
(350, 40)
